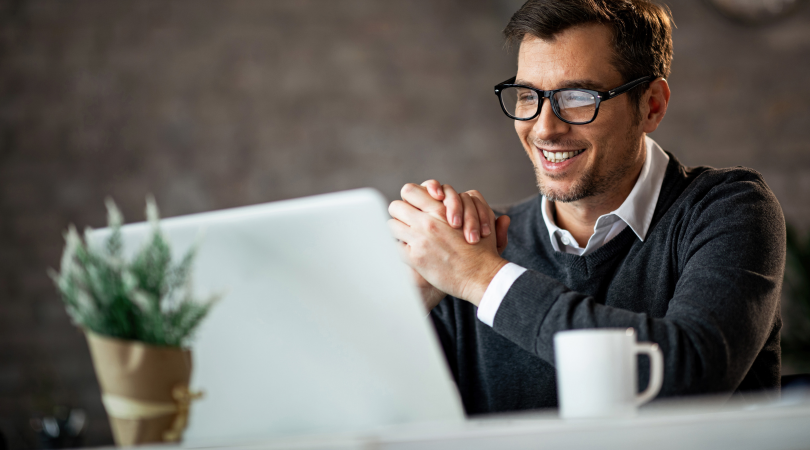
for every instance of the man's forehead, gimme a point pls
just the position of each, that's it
(584, 83)
(577, 57)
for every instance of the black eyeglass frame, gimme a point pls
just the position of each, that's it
(598, 96)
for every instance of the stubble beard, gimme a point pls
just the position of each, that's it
(591, 183)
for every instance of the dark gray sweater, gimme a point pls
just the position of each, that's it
(704, 285)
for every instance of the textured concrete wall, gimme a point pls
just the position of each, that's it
(213, 104)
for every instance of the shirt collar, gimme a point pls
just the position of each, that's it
(638, 208)
(550, 225)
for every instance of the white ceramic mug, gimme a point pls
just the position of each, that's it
(597, 372)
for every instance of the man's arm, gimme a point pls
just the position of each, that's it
(720, 316)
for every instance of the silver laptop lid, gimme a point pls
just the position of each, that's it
(320, 329)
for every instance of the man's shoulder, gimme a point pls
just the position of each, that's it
(701, 186)
(727, 174)
(707, 176)
(730, 183)
(722, 200)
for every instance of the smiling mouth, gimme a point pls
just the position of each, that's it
(557, 157)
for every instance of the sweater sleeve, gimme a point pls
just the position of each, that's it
(442, 317)
(729, 254)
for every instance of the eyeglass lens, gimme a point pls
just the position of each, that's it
(572, 105)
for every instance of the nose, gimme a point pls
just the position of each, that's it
(547, 126)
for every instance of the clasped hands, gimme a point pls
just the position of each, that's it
(451, 241)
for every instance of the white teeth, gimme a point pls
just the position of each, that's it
(560, 156)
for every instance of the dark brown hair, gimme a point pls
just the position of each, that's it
(642, 32)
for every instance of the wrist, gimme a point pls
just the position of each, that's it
(431, 296)
(480, 282)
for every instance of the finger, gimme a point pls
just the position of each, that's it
(501, 232)
(453, 205)
(484, 217)
(472, 229)
(419, 197)
(479, 196)
(434, 188)
(404, 212)
(400, 231)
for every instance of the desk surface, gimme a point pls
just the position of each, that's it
(685, 424)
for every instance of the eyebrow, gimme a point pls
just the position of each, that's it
(582, 84)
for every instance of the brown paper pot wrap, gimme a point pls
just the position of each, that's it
(144, 388)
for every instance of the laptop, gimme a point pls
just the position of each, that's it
(319, 329)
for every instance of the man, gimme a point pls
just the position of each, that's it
(622, 234)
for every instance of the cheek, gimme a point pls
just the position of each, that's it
(618, 116)
(523, 129)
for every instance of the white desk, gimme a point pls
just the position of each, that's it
(691, 424)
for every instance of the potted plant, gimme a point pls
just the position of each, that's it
(138, 316)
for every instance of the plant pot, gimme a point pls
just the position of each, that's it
(144, 388)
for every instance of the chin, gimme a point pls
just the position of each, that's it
(559, 196)
(570, 192)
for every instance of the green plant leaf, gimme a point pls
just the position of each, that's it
(148, 299)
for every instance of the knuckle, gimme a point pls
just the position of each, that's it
(453, 201)
(439, 211)
(483, 211)
(431, 226)
(408, 188)
(489, 214)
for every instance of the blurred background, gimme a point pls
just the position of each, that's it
(213, 104)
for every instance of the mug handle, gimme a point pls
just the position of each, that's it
(656, 371)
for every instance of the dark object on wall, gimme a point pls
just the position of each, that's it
(801, 380)
(796, 388)
(64, 429)
(756, 12)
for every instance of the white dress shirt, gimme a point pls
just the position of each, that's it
(636, 212)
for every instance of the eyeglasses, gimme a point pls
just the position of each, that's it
(571, 105)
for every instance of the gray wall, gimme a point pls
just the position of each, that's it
(213, 104)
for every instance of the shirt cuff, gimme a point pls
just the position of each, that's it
(496, 291)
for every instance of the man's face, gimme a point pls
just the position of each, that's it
(611, 146)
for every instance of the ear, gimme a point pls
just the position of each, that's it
(654, 105)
